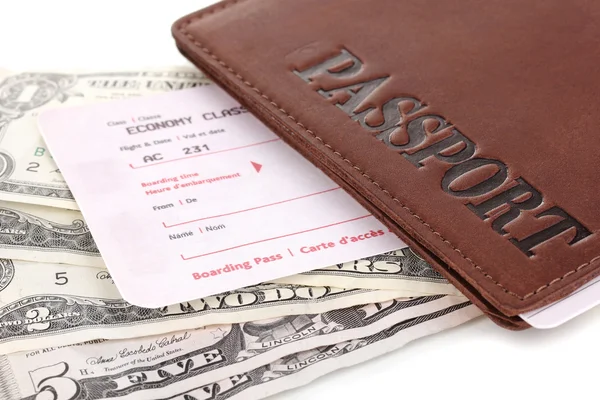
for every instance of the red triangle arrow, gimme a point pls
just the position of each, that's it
(256, 166)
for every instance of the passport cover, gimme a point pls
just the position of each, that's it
(469, 129)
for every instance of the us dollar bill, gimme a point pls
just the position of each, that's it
(43, 305)
(46, 234)
(28, 173)
(248, 360)
(401, 269)
(302, 368)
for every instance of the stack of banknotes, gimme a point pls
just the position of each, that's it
(66, 333)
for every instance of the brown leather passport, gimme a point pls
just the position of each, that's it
(471, 129)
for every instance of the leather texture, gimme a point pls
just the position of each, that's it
(468, 128)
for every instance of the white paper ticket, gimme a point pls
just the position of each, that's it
(188, 195)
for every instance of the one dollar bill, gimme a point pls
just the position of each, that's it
(44, 305)
(250, 360)
(46, 234)
(28, 173)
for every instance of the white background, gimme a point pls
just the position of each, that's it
(476, 361)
